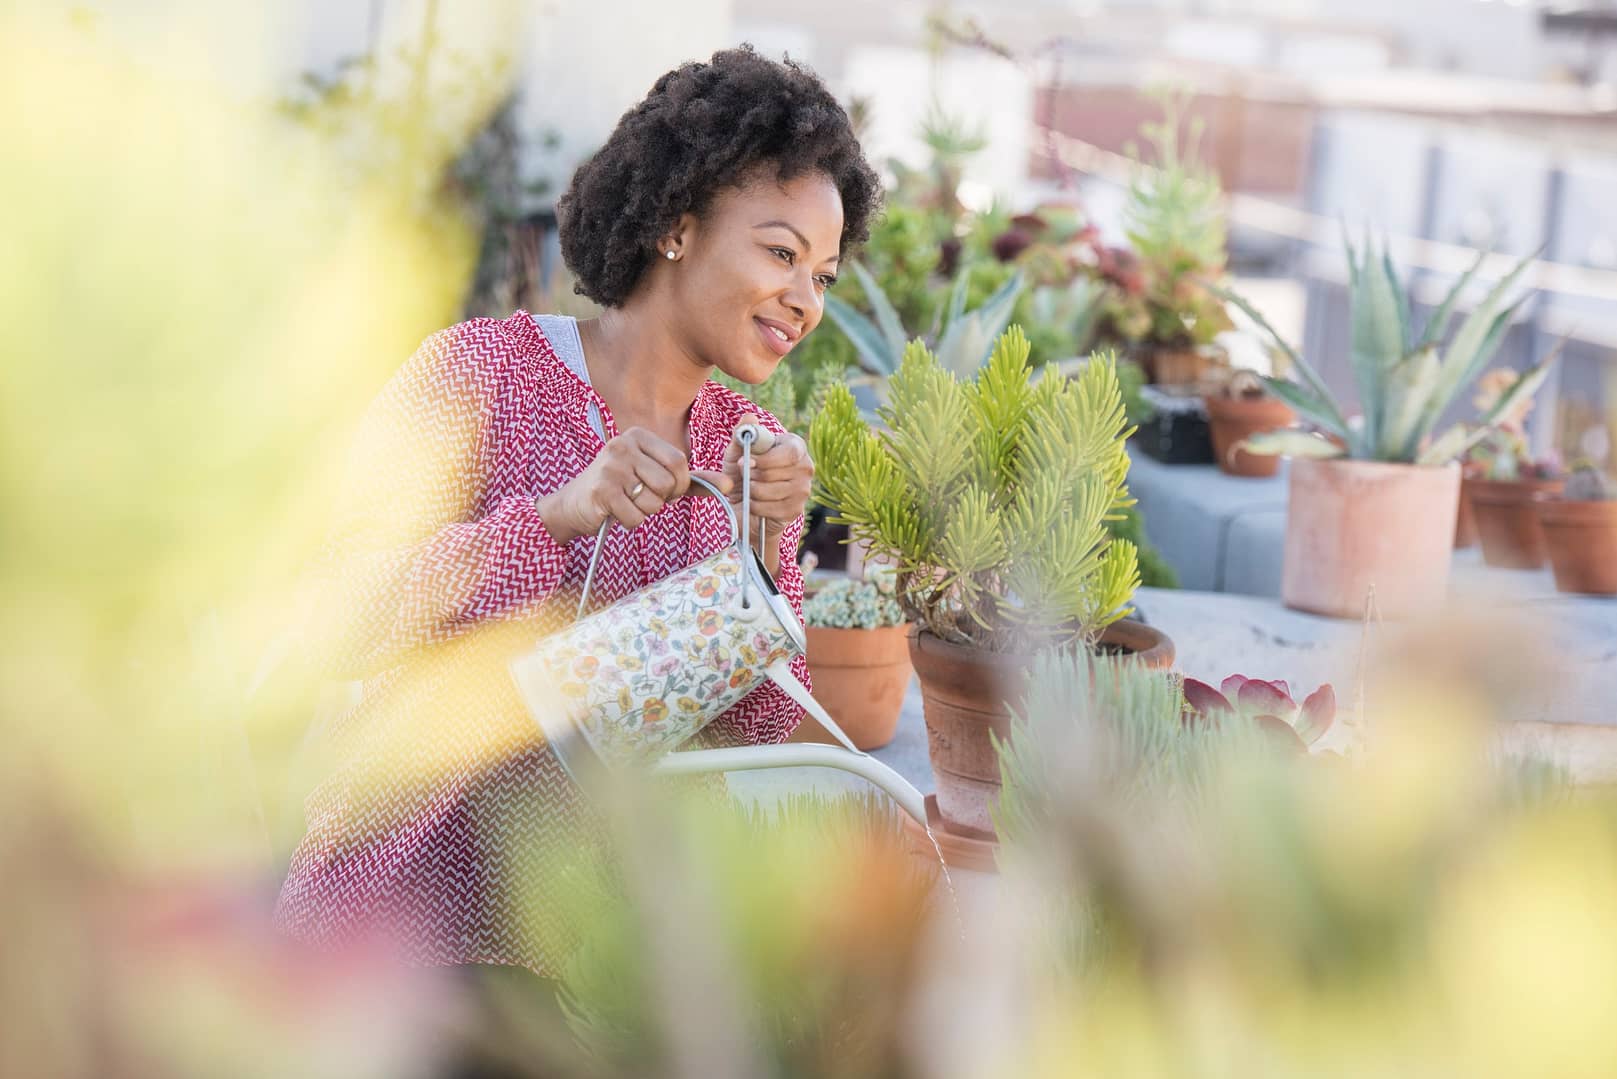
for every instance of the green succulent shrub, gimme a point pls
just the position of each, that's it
(991, 495)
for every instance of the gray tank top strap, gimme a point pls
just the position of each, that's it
(562, 333)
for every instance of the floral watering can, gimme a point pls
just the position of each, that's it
(627, 685)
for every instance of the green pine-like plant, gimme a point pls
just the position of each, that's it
(992, 496)
(1405, 380)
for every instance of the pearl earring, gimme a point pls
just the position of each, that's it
(672, 256)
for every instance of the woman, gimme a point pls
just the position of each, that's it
(708, 228)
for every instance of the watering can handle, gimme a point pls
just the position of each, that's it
(600, 537)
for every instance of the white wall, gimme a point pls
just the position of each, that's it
(589, 61)
(984, 91)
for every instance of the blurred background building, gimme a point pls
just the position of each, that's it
(1446, 125)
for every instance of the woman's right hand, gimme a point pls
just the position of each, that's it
(628, 481)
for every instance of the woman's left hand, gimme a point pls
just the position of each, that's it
(782, 475)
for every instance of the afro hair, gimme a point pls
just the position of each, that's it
(704, 128)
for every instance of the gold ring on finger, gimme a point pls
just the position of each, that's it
(639, 487)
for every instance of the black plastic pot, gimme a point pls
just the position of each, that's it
(1178, 431)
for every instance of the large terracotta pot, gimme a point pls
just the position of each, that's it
(1356, 525)
(965, 695)
(1234, 420)
(1581, 538)
(860, 676)
(1507, 520)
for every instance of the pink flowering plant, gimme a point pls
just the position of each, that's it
(1269, 705)
(1503, 454)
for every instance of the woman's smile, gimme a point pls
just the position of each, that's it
(777, 337)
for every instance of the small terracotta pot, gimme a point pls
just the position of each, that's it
(860, 676)
(1507, 520)
(1173, 366)
(1581, 538)
(965, 696)
(1356, 525)
(1234, 420)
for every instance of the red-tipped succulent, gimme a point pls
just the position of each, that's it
(1268, 704)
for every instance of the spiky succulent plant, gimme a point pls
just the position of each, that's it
(1405, 380)
(992, 495)
(962, 338)
(1589, 484)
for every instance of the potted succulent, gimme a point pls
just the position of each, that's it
(1373, 503)
(1160, 302)
(991, 496)
(1580, 532)
(1502, 482)
(1239, 407)
(859, 657)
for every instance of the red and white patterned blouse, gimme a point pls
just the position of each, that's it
(444, 814)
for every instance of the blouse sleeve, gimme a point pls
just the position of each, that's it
(767, 715)
(414, 558)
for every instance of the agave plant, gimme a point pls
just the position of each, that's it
(1406, 381)
(1267, 705)
(961, 341)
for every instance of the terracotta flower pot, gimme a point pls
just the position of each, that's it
(1356, 525)
(966, 693)
(1174, 366)
(1234, 420)
(1581, 538)
(1507, 520)
(860, 676)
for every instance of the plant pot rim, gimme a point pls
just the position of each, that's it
(857, 629)
(1476, 485)
(1364, 465)
(926, 641)
(1263, 402)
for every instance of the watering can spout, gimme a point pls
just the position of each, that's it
(797, 755)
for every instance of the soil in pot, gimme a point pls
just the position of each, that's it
(860, 677)
(964, 693)
(1581, 538)
(1507, 520)
(1234, 420)
(1357, 526)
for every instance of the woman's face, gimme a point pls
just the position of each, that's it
(751, 275)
